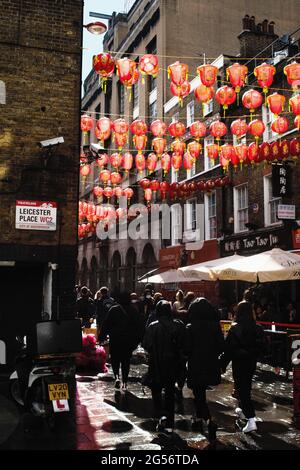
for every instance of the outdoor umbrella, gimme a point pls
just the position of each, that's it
(268, 266)
(202, 271)
(172, 276)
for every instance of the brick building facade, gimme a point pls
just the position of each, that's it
(40, 76)
(174, 30)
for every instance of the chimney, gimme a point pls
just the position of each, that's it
(256, 37)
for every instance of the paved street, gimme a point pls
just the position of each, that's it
(108, 420)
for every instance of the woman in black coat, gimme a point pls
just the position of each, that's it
(164, 341)
(204, 343)
(245, 342)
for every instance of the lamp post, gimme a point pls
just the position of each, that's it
(97, 27)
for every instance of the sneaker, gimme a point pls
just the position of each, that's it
(162, 423)
(124, 386)
(239, 413)
(250, 426)
(118, 384)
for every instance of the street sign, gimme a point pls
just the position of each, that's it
(36, 215)
(286, 211)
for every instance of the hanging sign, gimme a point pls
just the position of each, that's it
(36, 215)
(286, 211)
(281, 181)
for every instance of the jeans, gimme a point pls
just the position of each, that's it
(200, 403)
(120, 357)
(242, 376)
(166, 406)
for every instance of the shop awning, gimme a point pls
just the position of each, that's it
(168, 277)
(268, 266)
(203, 271)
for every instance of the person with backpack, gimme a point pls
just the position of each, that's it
(103, 302)
(244, 344)
(85, 308)
(164, 342)
(124, 327)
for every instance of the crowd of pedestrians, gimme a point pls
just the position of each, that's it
(185, 345)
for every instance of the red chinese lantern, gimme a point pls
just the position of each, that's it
(116, 160)
(154, 185)
(275, 151)
(201, 185)
(177, 129)
(194, 148)
(198, 129)
(178, 147)
(295, 148)
(188, 161)
(104, 66)
(158, 128)
(164, 189)
(225, 96)
(284, 149)
(103, 129)
(121, 140)
(252, 99)
(119, 192)
(237, 75)
(242, 153)
(294, 104)
(292, 71)
(174, 187)
(83, 158)
(227, 153)
(128, 193)
(127, 161)
(253, 153)
(140, 142)
(120, 126)
(212, 151)
(104, 176)
(151, 162)
(217, 129)
(91, 209)
(86, 124)
(239, 127)
(127, 69)
(204, 94)
(257, 128)
(115, 178)
(149, 65)
(139, 127)
(276, 103)
(176, 161)
(148, 195)
(264, 152)
(264, 74)
(144, 183)
(140, 162)
(210, 185)
(180, 90)
(85, 170)
(84, 208)
(98, 191)
(280, 125)
(159, 145)
(208, 74)
(102, 160)
(108, 192)
(165, 163)
(234, 159)
(178, 73)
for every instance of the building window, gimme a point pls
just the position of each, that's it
(190, 113)
(174, 175)
(121, 98)
(191, 215)
(176, 217)
(175, 117)
(267, 118)
(2, 92)
(211, 215)
(270, 202)
(136, 96)
(208, 108)
(240, 208)
(208, 162)
(153, 110)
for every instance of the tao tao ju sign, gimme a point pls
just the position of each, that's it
(36, 215)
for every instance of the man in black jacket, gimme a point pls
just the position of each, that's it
(85, 308)
(164, 341)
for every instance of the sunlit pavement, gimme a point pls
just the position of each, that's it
(108, 420)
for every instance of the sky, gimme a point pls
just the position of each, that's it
(93, 44)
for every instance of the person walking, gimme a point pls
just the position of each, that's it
(85, 308)
(164, 341)
(244, 343)
(103, 302)
(204, 344)
(124, 327)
